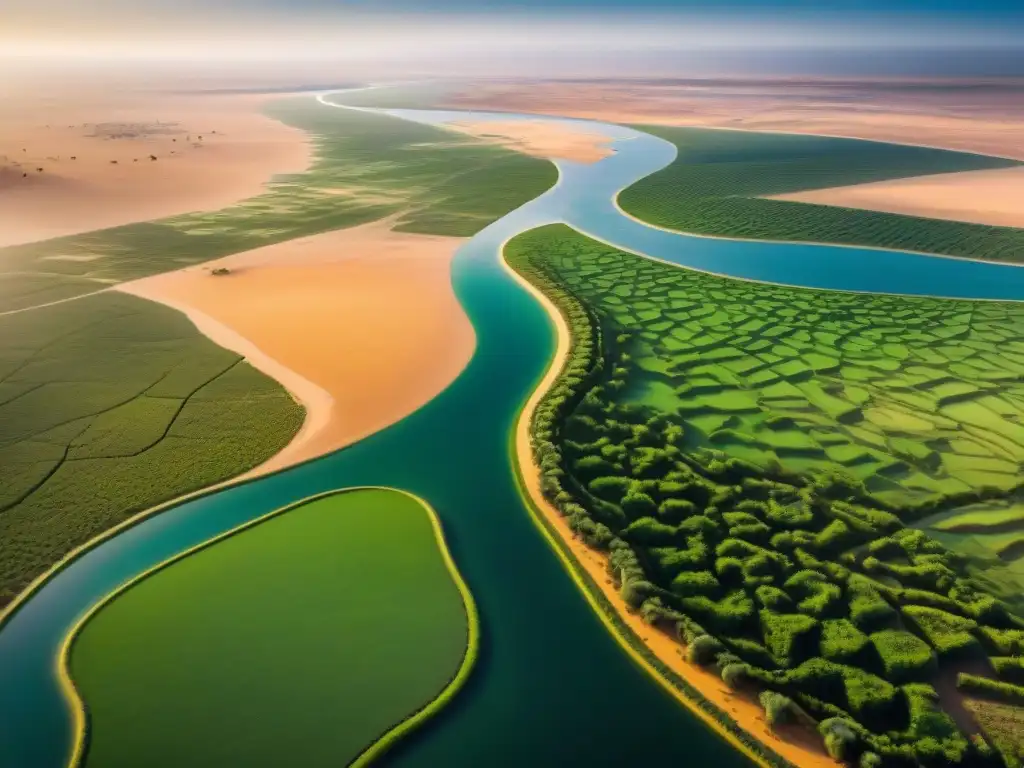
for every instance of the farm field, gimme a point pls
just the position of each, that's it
(191, 665)
(128, 365)
(718, 182)
(110, 405)
(749, 457)
(367, 166)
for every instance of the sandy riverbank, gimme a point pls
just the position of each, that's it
(801, 747)
(361, 325)
(79, 160)
(981, 197)
(540, 138)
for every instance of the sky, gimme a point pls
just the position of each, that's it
(742, 34)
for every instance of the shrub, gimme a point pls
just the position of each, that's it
(736, 674)
(690, 583)
(1005, 642)
(1010, 668)
(676, 510)
(868, 609)
(871, 699)
(834, 538)
(751, 651)
(688, 630)
(990, 689)
(610, 488)
(774, 599)
(778, 709)
(702, 650)
(701, 524)
(791, 637)
(635, 591)
(650, 533)
(905, 657)
(948, 634)
(820, 596)
(870, 760)
(726, 616)
(590, 467)
(839, 736)
(841, 640)
(638, 505)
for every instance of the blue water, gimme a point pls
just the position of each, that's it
(551, 687)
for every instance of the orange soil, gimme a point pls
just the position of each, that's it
(983, 197)
(540, 138)
(988, 119)
(801, 747)
(239, 151)
(361, 325)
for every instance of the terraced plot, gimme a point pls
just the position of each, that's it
(747, 456)
(109, 405)
(299, 640)
(718, 182)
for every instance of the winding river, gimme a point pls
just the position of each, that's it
(551, 686)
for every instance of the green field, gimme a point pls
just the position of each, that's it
(299, 640)
(749, 457)
(110, 405)
(718, 182)
(94, 422)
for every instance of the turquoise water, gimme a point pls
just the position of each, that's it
(551, 687)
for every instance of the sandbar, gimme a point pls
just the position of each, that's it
(980, 197)
(79, 160)
(800, 746)
(540, 138)
(361, 325)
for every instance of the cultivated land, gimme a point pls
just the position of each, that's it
(747, 457)
(367, 167)
(292, 631)
(110, 405)
(720, 180)
(344, 282)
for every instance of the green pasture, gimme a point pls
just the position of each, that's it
(719, 181)
(109, 405)
(304, 637)
(750, 457)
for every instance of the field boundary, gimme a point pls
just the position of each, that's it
(80, 715)
(637, 651)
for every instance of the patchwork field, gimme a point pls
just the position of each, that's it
(718, 182)
(140, 382)
(192, 664)
(367, 166)
(748, 457)
(110, 405)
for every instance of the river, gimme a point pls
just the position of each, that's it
(551, 687)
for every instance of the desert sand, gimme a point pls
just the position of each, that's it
(361, 325)
(983, 197)
(80, 160)
(799, 746)
(976, 116)
(540, 138)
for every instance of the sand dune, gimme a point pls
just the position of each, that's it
(549, 140)
(361, 325)
(79, 161)
(982, 197)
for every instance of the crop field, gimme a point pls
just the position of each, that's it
(749, 457)
(110, 405)
(367, 167)
(297, 641)
(718, 182)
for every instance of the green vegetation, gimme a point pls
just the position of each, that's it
(718, 183)
(108, 406)
(367, 166)
(693, 436)
(1003, 724)
(299, 608)
(988, 688)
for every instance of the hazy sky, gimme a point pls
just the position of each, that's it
(412, 30)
